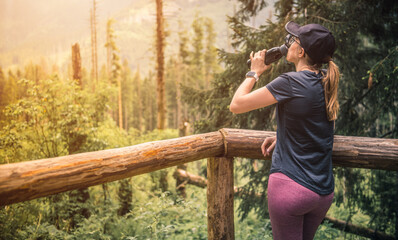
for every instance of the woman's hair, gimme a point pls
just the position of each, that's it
(330, 84)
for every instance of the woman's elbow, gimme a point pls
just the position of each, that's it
(234, 108)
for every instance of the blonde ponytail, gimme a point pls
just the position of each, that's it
(331, 85)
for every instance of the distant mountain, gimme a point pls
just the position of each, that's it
(44, 30)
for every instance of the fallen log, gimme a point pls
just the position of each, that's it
(357, 230)
(336, 223)
(188, 178)
(192, 179)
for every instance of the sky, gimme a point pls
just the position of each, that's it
(31, 30)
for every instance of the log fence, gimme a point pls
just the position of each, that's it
(34, 179)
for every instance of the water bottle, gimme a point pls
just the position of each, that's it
(273, 55)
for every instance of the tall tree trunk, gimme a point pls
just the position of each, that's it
(94, 29)
(108, 54)
(180, 183)
(161, 98)
(119, 83)
(92, 46)
(139, 105)
(125, 196)
(105, 191)
(178, 93)
(77, 64)
(126, 120)
(94, 55)
(77, 200)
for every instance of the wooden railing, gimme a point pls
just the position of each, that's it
(33, 179)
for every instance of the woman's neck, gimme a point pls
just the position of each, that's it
(301, 66)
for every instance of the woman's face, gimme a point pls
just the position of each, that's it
(294, 50)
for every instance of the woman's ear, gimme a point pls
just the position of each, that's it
(301, 52)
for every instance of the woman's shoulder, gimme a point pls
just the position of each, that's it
(293, 74)
(288, 74)
(303, 75)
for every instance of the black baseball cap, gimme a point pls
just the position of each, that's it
(317, 41)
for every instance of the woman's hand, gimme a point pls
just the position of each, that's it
(264, 147)
(257, 62)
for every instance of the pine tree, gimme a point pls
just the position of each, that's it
(182, 76)
(115, 68)
(160, 44)
(94, 54)
(211, 66)
(10, 88)
(3, 100)
(138, 106)
(161, 94)
(197, 56)
(149, 101)
(172, 72)
(365, 33)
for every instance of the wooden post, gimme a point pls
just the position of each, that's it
(220, 199)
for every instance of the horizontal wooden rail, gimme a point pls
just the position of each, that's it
(355, 152)
(33, 179)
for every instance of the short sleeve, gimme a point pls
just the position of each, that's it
(280, 88)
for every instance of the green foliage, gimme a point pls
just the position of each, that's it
(115, 66)
(165, 218)
(45, 125)
(197, 64)
(325, 231)
(53, 117)
(365, 47)
(155, 135)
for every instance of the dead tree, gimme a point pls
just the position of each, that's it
(161, 98)
(77, 64)
(94, 55)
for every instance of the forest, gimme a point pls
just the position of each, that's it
(47, 112)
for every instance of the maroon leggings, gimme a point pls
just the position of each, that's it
(295, 211)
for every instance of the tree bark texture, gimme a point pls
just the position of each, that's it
(33, 179)
(94, 54)
(188, 178)
(77, 64)
(184, 177)
(220, 198)
(358, 230)
(161, 98)
(355, 152)
(119, 102)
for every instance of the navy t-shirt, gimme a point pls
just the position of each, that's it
(304, 144)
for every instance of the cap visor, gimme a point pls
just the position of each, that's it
(292, 28)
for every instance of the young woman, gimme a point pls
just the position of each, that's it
(301, 183)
